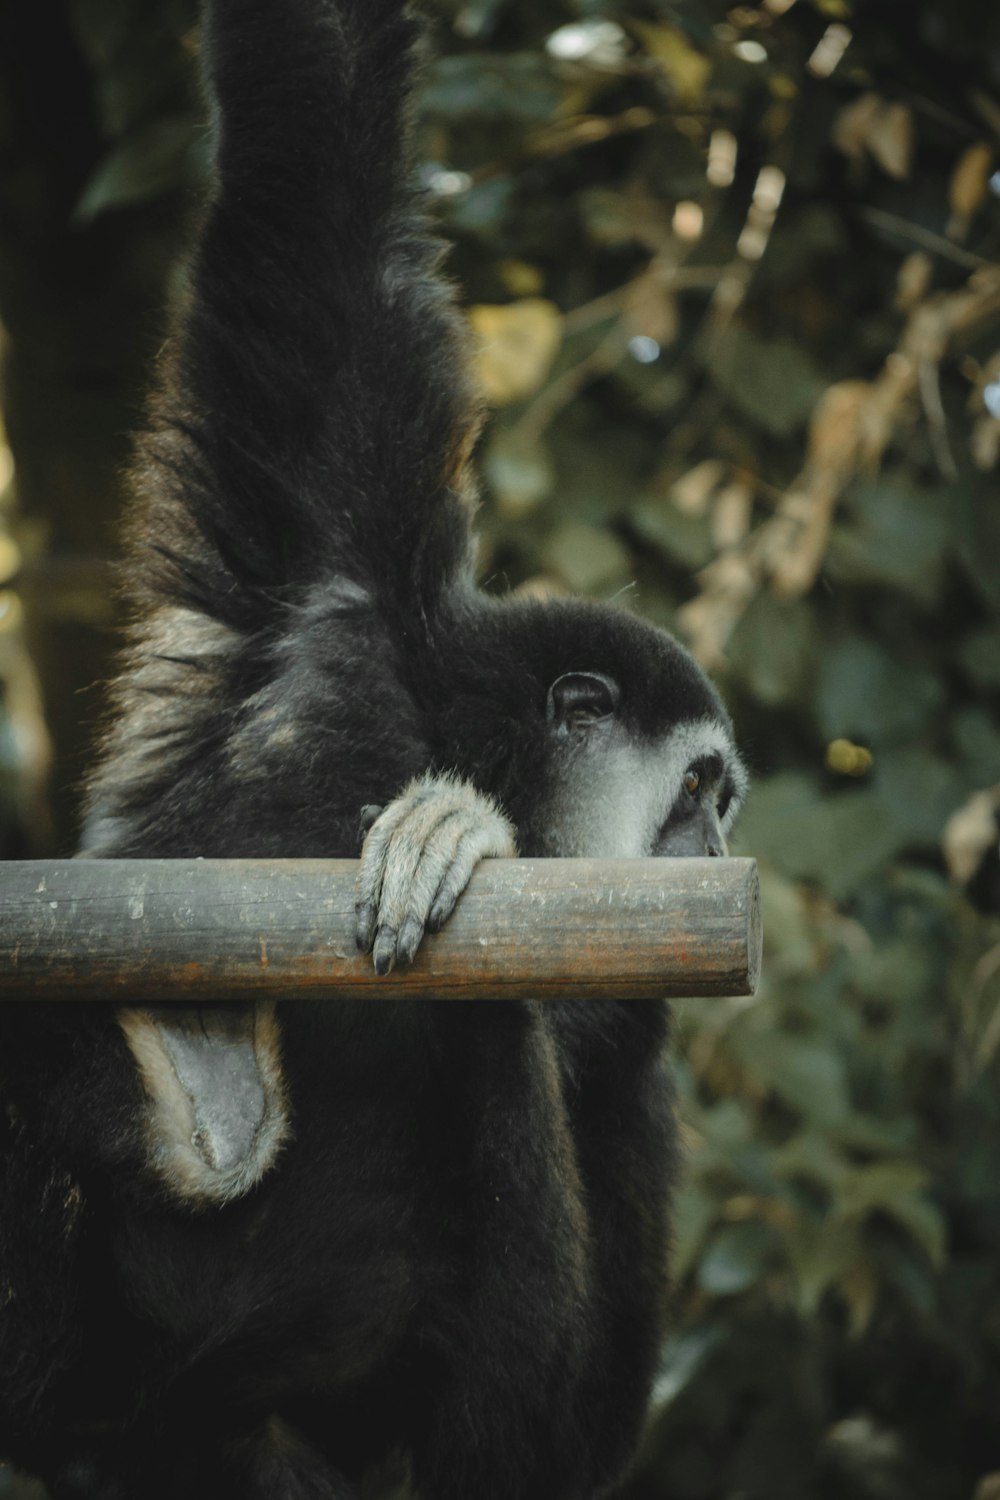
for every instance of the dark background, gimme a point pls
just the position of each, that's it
(736, 278)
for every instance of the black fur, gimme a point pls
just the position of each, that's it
(461, 1254)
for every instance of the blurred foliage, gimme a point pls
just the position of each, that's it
(734, 275)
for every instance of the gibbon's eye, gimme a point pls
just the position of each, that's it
(579, 698)
(692, 781)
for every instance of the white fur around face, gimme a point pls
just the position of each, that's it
(615, 795)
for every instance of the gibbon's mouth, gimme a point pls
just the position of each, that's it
(217, 1111)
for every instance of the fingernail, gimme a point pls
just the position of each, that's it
(385, 950)
(365, 930)
(409, 939)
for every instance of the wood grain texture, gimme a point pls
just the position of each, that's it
(139, 930)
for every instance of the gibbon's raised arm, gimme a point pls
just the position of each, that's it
(316, 404)
(302, 488)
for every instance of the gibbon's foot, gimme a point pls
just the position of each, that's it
(416, 861)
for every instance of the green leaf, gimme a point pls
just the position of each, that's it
(979, 657)
(896, 1189)
(684, 1354)
(482, 210)
(821, 1255)
(685, 539)
(772, 381)
(837, 840)
(694, 1214)
(519, 471)
(980, 531)
(494, 86)
(737, 1258)
(866, 695)
(919, 789)
(588, 559)
(975, 734)
(901, 535)
(810, 1154)
(773, 650)
(806, 1071)
(152, 161)
(877, 1184)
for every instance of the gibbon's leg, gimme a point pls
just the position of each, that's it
(500, 1345)
(286, 425)
(278, 1464)
(198, 1462)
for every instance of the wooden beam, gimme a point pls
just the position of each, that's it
(132, 931)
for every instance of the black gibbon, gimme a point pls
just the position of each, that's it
(249, 1256)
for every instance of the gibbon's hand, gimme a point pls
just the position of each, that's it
(417, 858)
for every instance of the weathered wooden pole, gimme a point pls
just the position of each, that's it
(133, 931)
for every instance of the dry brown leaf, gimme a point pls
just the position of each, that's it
(853, 125)
(914, 280)
(687, 69)
(650, 309)
(835, 426)
(969, 833)
(891, 139)
(732, 510)
(692, 492)
(728, 584)
(985, 443)
(968, 187)
(859, 1288)
(517, 343)
(521, 278)
(796, 555)
(885, 131)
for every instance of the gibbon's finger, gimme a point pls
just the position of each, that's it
(407, 855)
(410, 877)
(368, 815)
(389, 888)
(436, 859)
(487, 840)
(465, 821)
(371, 871)
(384, 950)
(409, 939)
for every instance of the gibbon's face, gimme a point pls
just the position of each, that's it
(617, 795)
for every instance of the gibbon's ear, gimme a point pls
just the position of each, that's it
(580, 698)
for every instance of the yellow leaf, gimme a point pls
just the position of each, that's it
(10, 557)
(517, 343)
(649, 309)
(732, 512)
(687, 69)
(891, 139)
(11, 611)
(914, 280)
(521, 278)
(692, 492)
(847, 759)
(969, 832)
(884, 130)
(835, 428)
(968, 186)
(859, 1289)
(853, 125)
